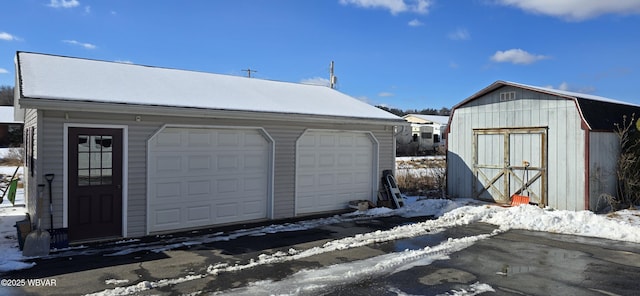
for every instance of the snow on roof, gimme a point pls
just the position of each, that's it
(433, 118)
(570, 94)
(599, 113)
(65, 78)
(6, 115)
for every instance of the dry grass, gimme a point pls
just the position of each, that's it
(15, 157)
(429, 181)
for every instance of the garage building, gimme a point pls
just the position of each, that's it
(137, 150)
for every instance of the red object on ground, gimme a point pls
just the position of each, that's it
(517, 200)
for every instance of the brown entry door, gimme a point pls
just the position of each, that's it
(95, 183)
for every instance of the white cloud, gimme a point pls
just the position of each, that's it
(516, 56)
(85, 45)
(415, 23)
(394, 6)
(64, 3)
(564, 86)
(8, 37)
(460, 34)
(3, 71)
(386, 94)
(364, 99)
(576, 10)
(316, 81)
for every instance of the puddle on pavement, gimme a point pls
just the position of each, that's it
(419, 242)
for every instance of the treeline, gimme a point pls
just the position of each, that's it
(6, 95)
(444, 111)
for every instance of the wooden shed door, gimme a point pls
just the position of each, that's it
(95, 183)
(499, 164)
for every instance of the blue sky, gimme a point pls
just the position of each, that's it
(406, 54)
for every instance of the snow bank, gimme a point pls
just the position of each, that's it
(622, 226)
(314, 281)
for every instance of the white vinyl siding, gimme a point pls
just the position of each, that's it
(283, 133)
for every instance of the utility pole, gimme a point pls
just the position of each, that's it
(332, 78)
(248, 70)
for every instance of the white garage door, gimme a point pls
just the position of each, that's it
(205, 176)
(333, 168)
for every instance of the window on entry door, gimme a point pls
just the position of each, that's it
(95, 160)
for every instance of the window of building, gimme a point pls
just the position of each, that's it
(507, 96)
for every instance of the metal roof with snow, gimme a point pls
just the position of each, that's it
(440, 119)
(6, 115)
(60, 78)
(598, 113)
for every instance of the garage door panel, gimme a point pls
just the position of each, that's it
(201, 177)
(167, 217)
(255, 185)
(363, 142)
(346, 141)
(226, 210)
(345, 159)
(254, 162)
(227, 186)
(326, 140)
(166, 190)
(227, 162)
(253, 140)
(168, 164)
(326, 160)
(198, 214)
(228, 138)
(169, 138)
(304, 202)
(306, 160)
(199, 162)
(304, 181)
(199, 138)
(253, 207)
(343, 169)
(199, 187)
(325, 180)
(362, 161)
(344, 178)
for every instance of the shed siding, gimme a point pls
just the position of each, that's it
(284, 134)
(566, 140)
(603, 149)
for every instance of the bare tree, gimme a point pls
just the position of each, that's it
(628, 163)
(6, 95)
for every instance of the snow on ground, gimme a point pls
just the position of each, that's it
(419, 166)
(450, 214)
(10, 255)
(622, 225)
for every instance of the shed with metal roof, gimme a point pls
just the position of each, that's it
(558, 147)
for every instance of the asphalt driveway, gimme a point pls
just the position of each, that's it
(515, 262)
